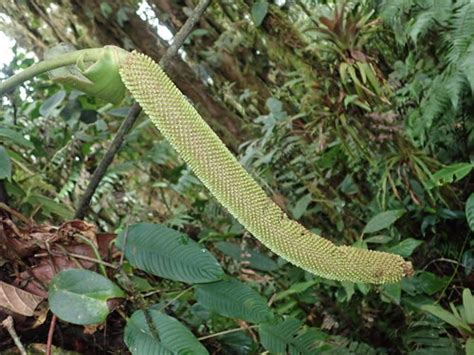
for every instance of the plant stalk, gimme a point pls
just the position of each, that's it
(91, 54)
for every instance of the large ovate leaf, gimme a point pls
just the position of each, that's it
(173, 337)
(252, 258)
(382, 220)
(165, 252)
(80, 296)
(232, 298)
(287, 337)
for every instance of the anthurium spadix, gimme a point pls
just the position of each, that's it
(106, 72)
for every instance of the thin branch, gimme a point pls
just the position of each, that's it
(95, 251)
(49, 343)
(179, 295)
(227, 332)
(133, 114)
(184, 32)
(8, 325)
(77, 256)
(101, 169)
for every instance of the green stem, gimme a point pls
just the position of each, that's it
(89, 55)
(96, 253)
(227, 332)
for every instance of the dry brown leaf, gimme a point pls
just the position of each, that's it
(17, 300)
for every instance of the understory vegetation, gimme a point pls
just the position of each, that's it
(357, 119)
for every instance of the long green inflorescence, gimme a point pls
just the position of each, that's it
(236, 190)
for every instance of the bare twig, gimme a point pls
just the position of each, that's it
(8, 325)
(182, 293)
(132, 116)
(52, 326)
(125, 237)
(95, 251)
(227, 332)
(184, 32)
(77, 256)
(101, 169)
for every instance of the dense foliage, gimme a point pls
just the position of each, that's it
(356, 117)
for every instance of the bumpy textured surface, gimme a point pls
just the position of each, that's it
(236, 190)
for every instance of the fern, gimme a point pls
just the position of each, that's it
(462, 33)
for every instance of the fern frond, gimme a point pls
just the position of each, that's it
(467, 66)
(462, 33)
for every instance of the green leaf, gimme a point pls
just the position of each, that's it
(15, 137)
(5, 164)
(287, 337)
(378, 239)
(470, 211)
(429, 283)
(274, 105)
(167, 253)
(50, 206)
(451, 173)
(52, 103)
(406, 247)
(80, 296)
(234, 299)
(259, 11)
(392, 292)
(468, 303)
(470, 346)
(383, 220)
(174, 337)
(446, 316)
(105, 9)
(255, 259)
(122, 15)
(295, 288)
(301, 206)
